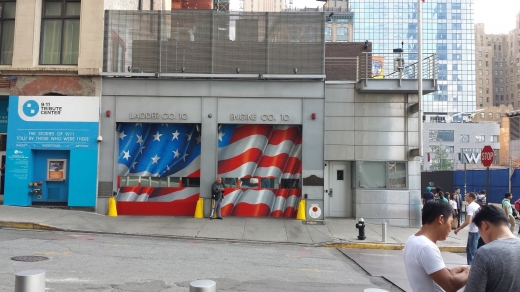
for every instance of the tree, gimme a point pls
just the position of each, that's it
(440, 159)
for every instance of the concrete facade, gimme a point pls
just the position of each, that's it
(375, 128)
(497, 67)
(468, 138)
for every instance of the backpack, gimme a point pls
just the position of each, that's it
(481, 200)
(517, 205)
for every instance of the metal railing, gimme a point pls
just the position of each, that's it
(397, 66)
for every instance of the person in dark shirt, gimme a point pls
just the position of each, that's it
(428, 195)
(495, 266)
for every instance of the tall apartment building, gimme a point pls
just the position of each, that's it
(447, 30)
(497, 67)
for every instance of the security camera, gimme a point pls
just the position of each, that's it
(99, 138)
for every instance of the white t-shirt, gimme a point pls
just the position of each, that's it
(422, 257)
(453, 204)
(471, 210)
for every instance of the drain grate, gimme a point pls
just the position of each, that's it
(313, 222)
(29, 258)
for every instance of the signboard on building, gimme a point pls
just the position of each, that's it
(52, 139)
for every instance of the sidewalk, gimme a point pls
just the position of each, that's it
(336, 232)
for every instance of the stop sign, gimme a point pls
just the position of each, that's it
(487, 156)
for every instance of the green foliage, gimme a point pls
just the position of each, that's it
(440, 160)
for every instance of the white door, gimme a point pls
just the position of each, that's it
(340, 202)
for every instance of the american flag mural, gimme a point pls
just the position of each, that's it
(260, 152)
(159, 151)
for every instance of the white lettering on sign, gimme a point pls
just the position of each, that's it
(252, 117)
(157, 116)
(472, 157)
(268, 118)
(243, 117)
(487, 156)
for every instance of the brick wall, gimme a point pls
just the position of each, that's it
(340, 62)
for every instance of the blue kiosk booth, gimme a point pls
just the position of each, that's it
(52, 150)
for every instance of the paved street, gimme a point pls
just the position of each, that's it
(95, 262)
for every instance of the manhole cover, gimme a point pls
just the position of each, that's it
(29, 258)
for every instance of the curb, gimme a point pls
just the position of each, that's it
(364, 245)
(25, 225)
(385, 246)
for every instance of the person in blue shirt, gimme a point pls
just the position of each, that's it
(426, 196)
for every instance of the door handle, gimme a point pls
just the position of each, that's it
(330, 192)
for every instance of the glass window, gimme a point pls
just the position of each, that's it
(372, 174)
(269, 183)
(480, 138)
(190, 181)
(230, 182)
(328, 34)
(7, 14)
(287, 183)
(441, 135)
(464, 138)
(341, 34)
(249, 183)
(449, 149)
(60, 32)
(397, 175)
(129, 181)
(493, 138)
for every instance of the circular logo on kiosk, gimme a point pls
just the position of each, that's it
(31, 108)
(315, 211)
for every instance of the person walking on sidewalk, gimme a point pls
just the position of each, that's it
(423, 261)
(217, 193)
(426, 196)
(473, 236)
(508, 210)
(453, 204)
(494, 268)
(459, 206)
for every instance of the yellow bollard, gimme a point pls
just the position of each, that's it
(199, 209)
(112, 207)
(301, 211)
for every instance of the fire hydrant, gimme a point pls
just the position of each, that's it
(361, 226)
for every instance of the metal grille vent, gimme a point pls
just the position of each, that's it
(214, 42)
(514, 128)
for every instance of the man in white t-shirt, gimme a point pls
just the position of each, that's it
(425, 268)
(473, 236)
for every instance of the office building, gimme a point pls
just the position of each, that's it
(447, 31)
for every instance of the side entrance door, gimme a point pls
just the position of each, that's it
(340, 202)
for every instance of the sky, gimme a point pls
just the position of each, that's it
(498, 16)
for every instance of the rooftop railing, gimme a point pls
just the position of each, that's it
(397, 66)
